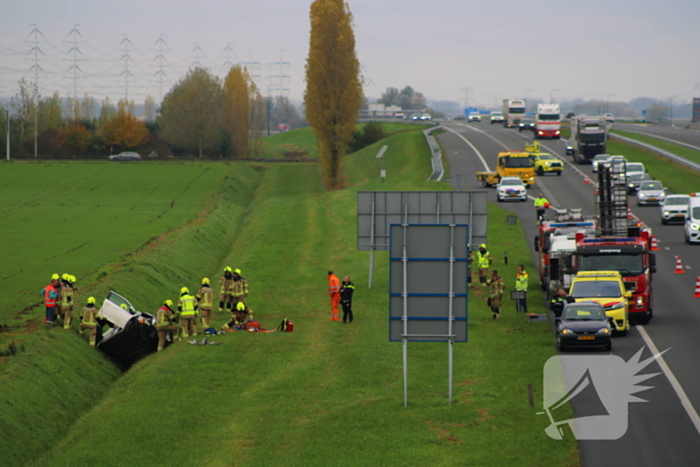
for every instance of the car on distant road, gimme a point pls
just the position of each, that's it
(674, 208)
(635, 167)
(583, 324)
(400, 115)
(634, 180)
(511, 188)
(496, 117)
(415, 117)
(426, 117)
(475, 117)
(526, 124)
(597, 160)
(692, 219)
(651, 192)
(609, 117)
(125, 156)
(546, 163)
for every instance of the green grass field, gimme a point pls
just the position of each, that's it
(682, 151)
(326, 394)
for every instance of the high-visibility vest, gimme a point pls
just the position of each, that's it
(484, 261)
(49, 296)
(186, 304)
(540, 202)
(205, 297)
(67, 296)
(88, 315)
(521, 281)
(333, 284)
(239, 288)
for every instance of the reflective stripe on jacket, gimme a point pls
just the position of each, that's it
(50, 295)
(89, 314)
(163, 316)
(186, 305)
(521, 281)
(484, 261)
(205, 297)
(333, 284)
(67, 296)
(239, 288)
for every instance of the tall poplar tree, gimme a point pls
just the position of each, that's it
(333, 94)
(237, 109)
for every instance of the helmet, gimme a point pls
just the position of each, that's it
(228, 269)
(55, 277)
(483, 245)
(240, 306)
(72, 279)
(91, 300)
(65, 277)
(168, 303)
(184, 290)
(237, 271)
(205, 281)
(123, 305)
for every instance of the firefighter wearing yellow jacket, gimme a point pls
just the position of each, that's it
(88, 318)
(165, 319)
(188, 312)
(226, 282)
(239, 288)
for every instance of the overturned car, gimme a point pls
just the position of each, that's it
(132, 334)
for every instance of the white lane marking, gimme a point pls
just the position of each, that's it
(481, 158)
(685, 402)
(667, 248)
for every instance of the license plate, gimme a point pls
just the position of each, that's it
(586, 338)
(652, 199)
(513, 195)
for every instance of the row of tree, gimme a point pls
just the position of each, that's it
(202, 115)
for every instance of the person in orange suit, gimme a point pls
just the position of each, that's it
(334, 292)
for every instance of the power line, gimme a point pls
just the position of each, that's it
(197, 51)
(75, 50)
(36, 68)
(282, 76)
(160, 73)
(126, 57)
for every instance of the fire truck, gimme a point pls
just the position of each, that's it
(613, 244)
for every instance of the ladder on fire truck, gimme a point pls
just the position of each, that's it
(612, 198)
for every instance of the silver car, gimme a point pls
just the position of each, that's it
(651, 192)
(674, 208)
(597, 160)
(126, 156)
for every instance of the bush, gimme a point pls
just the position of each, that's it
(368, 134)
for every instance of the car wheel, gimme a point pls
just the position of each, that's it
(540, 171)
(664, 221)
(622, 333)
(498, 198)
(608, 347)
(559, 174)
(560, 345)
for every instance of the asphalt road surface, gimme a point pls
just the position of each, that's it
(689, 137)
(665, 430)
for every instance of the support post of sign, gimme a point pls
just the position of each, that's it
(450, 329)
(371, 244)
(404, 296)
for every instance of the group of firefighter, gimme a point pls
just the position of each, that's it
(496, 284)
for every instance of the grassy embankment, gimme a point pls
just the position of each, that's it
(328, 393)
(682, 151)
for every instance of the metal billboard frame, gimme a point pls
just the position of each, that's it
(431, 246)
(377, 210)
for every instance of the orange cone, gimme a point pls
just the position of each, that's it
(586, 179)
(697, 287)
(654, 245)
(629, 213)
(679, 266)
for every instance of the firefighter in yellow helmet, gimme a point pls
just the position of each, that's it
(483, 262)
(188, 312)
(239, 288)
(88, 318)
(226, 282)
(238, 317)
(204, 300)
(165, 323)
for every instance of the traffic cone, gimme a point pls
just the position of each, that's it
(679, 266)
(586, 179)
(629, 213)
(654, 245)
(697, 287)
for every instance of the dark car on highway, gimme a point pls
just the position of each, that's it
(125, 156)
(526, 124)
(634, 180)
(583, 325)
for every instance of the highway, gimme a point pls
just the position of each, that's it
(678, 135)
(666, 430)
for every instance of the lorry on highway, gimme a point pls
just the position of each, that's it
(510, 164)
(548, 121)
(588, 138)
(513, 111)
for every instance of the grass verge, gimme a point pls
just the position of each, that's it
(682, 151)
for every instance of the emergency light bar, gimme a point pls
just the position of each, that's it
(572, 224)
(608, 240)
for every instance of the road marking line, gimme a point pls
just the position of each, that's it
(685, 402)
(481, 158)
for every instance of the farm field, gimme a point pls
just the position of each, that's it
(328, 393)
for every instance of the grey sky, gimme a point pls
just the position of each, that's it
(588, 50)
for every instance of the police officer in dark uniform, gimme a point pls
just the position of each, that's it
(346, 290)
(557, 303)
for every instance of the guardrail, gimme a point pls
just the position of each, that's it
(661, 152)
(436, 158)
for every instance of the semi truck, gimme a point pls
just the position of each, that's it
(513, 111)
(548, 121)
(588, 137)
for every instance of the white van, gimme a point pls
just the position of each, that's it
(692, 219)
